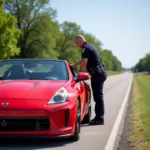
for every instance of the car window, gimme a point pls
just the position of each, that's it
(42, 70)
(74, 75)
(3, 68)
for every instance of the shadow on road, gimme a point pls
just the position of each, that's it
(31, 143)
(34, 143)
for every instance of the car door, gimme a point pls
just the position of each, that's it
(82, 90)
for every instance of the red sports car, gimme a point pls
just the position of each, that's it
(42, 97)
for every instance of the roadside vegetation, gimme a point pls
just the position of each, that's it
(113, 72)
(143, 65)
(139, 136)
(34, 32)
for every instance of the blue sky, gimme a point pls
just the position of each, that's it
(123, 26)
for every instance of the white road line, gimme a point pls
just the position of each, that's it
(112, 137)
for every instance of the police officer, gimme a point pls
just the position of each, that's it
(92, 62)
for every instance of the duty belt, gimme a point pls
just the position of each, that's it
(97, 68)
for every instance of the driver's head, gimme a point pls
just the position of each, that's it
(79, 40)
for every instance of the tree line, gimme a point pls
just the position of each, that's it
(144, 64)
(29, 29)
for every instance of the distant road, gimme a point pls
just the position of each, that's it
(92, 137)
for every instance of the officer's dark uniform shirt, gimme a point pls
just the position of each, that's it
(89, 51)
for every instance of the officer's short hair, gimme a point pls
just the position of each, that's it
(79, 37)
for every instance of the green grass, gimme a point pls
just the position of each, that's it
(139, 136)
(113, 72)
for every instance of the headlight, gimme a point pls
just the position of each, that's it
(59, 97)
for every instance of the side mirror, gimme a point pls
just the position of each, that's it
(82, 76)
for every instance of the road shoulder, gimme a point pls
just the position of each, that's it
(124, 143)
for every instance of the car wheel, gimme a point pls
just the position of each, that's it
(76, 135)
(87, 117)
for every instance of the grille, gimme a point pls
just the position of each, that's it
(23, 124)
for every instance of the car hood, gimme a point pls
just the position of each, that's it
(29, 89)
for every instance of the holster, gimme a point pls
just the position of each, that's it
(97, 69)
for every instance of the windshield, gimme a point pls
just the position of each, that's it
(33, 69)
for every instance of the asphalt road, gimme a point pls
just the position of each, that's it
(92, 137)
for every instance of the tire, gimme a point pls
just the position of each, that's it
(87, 117)
(76, 135)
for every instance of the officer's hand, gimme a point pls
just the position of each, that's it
(72, 65)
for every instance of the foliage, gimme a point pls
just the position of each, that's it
(65, 44)
(42, 36)
(8, 34)
(144, 64)
(110, 61)
(35, 21)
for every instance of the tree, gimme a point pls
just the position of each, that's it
(107, 59)
(39, 31)
(147, 62)
(93, 40)
(116, 64)
(65, 44)
(140, 65)
(42, 36)
(8, 34)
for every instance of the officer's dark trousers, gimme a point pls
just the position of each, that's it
(97, 83)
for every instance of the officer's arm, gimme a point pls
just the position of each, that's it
(83, 64)
(77, 63)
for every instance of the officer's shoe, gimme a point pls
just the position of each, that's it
(97, 121)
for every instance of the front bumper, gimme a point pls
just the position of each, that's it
(58, 120)
(29, 136)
